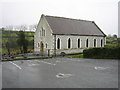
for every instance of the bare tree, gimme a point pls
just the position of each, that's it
(32, 27)
(23, 27)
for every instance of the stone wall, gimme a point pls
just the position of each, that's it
(47, 40)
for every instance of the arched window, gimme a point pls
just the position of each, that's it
(46, 45)
(94, 42)
(101, 42)
(87, 43)
(42, 32)
(58, 43)
(79, 43)
(69, 43)
(38, 44)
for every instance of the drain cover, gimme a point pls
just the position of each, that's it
(61, 75)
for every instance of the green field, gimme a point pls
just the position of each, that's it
(111, 42)
(12, 36)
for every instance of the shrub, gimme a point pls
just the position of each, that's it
(112, 53)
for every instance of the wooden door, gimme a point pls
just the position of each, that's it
(42, 47)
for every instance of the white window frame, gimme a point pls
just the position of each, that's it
(86, 43)
(60, 43)
(80, 42)
(102, 43)
(93, 42)
(46, 45)
(70, 43)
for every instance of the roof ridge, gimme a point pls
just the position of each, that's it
(68, 18)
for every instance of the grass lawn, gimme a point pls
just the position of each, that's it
(76, 56)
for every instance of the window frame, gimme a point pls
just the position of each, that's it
(69, 43)
(59, 43)
(94, 42)
(79, 43)
(87, 43)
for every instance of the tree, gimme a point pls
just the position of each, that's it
(7, 45)
(118, 42)
(10, 42)
(22, 42)
(115, 36)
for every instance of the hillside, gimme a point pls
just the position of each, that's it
(12, 36)
(111, 42)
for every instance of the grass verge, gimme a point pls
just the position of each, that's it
(76, 56)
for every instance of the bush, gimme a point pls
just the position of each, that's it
(112, 53)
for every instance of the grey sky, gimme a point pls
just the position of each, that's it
(103, 12)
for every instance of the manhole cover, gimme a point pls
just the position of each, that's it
(101, 68)
(61, 75)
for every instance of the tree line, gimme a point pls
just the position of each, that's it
(21, 42)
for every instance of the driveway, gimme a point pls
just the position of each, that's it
(60, 73)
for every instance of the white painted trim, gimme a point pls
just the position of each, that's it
(16, 65)
(102, 43)
(70, 43)
(80, 42)
(57, 43)
(96, 42)
(46, 44)
(88, 42)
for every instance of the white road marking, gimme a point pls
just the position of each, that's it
(16, 65)
(42, 62)
(100, 68)
(48, 63)
(60, 61)
(33, 64)
(61, 75)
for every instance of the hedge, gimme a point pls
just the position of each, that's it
(111, 53)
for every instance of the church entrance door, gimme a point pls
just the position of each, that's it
(42, 47)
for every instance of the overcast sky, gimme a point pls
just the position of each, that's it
(19, 12)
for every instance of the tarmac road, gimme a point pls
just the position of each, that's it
(60, 73)
(0, 75)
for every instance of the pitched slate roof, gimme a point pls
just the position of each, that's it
(61, 25)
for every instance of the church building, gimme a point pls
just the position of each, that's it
(56, 35)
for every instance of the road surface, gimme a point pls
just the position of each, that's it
(60, 73)
(0, 75)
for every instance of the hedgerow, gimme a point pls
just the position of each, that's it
(112, 53)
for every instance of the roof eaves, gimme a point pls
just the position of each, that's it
(99, 28)
(79, 35)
